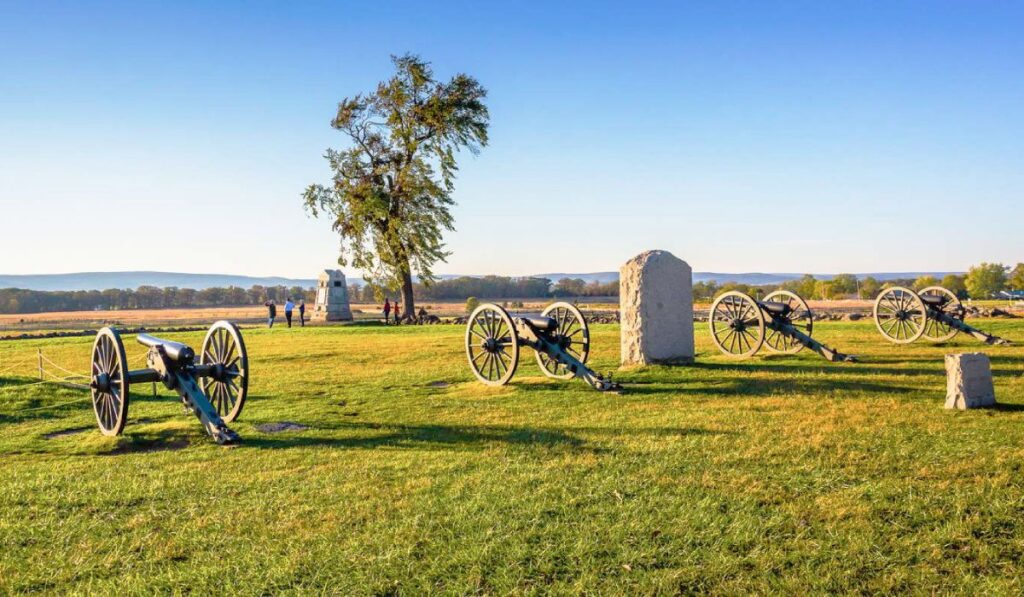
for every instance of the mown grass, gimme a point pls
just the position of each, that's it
(774, 474)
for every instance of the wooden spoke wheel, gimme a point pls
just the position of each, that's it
(900, 315)
(573, 336)
(109, 385)
(798, 316)
(936, 331)
(737, 324)
(228, 384)
(492, 345)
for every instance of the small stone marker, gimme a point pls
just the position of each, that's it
(331, 297)
(656, 310)
(969, 381)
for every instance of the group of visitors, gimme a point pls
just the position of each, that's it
(397, 309)
(289, 307)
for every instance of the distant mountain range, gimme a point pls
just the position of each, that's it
(104, 280)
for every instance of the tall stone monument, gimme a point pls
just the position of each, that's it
(331, 297)
(656, 310)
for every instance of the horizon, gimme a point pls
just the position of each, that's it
(889, 135)
(98, 281)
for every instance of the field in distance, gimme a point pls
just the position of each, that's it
(777, 474)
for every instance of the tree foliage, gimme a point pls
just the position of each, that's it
(390, 195)
(924, 282)
(986, 279)
(1016, 279)
(955, 284)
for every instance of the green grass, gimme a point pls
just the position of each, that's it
(777, 474)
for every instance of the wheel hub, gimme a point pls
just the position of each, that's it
(102, 383)
(738, 325)
(490, 345)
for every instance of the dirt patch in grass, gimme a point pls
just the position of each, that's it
(144, 446)
(67, 432)
(438, 384)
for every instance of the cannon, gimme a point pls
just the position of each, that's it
(782, 322)
(559, 337)
(213, 388)
(935, 314)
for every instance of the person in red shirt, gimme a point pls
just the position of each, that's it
(387, 309)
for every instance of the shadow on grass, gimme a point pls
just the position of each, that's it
(417, 436)
(870, 367)
(759, 387)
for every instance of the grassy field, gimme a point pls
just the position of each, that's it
(774, 474)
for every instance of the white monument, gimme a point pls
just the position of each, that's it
(969, 381)
(656, 310)
(331, 297)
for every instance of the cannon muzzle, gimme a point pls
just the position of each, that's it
(176, 351)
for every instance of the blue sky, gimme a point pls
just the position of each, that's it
(796, 136)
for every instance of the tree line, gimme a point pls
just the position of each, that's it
(490, 287)
(981, 281)
(15, 300)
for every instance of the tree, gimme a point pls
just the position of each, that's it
(924, 282)
(985, 280)
(844, 284)
(825, 290)
(955, 284)
(805, 286)
(391, 193)
(569, 287)
(869, 287)
(1016, 281)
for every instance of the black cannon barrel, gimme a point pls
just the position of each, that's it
(176, 351)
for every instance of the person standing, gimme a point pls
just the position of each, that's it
(387, 310)
(289, 306)
(398, 312)
(271, 313)
(302, 312)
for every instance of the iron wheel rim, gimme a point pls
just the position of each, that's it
(900, 315)
(109, 387)
(800, 317)
(573, 326)
(727, 312)
(223, 345)
(936, 331)
(492, 345)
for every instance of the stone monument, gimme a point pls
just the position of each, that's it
(331, 297)
(969, 381)
(656, 310)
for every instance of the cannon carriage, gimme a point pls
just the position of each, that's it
(903, 316)
(559, 337)
(213, 388)
(782, 323)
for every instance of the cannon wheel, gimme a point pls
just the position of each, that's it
(492, 345)
(900, 315)
(572, 332)
(109, 386)
(737, 324)
(227, 388)
(800, 317)
(936, 331)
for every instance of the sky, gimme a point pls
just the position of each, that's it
(741, 136)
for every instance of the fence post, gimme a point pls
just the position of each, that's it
(39, 356)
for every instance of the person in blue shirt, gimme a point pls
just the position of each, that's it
(289, 306)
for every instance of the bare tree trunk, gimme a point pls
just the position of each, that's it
(409, 303)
